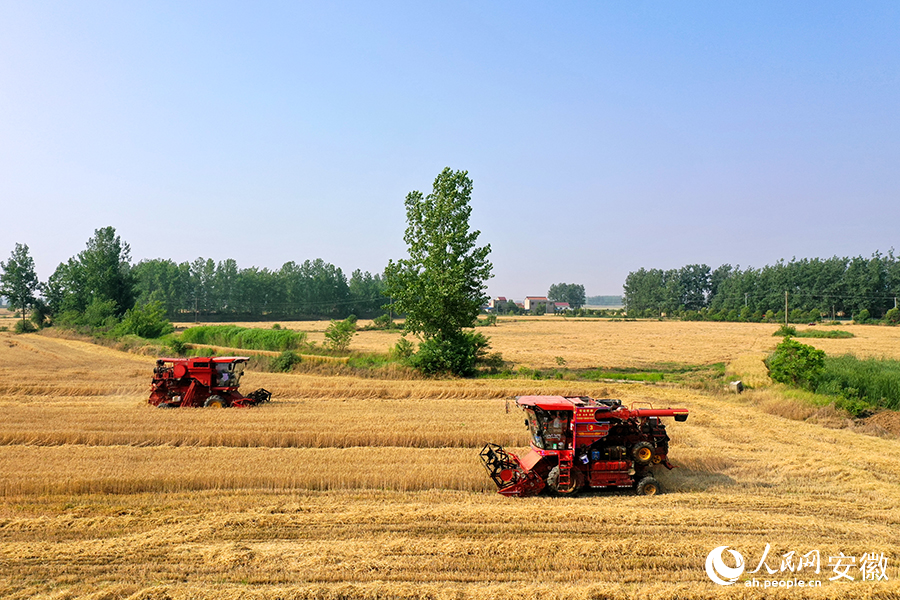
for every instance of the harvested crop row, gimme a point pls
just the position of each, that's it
(125, 470)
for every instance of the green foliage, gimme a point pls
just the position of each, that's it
(488, 321)
(403, 349)
(863, 316)
(816, 287)
(339, 333)
(456, 355)
(102, 272)
(441, 286)
(786, 331)
(24, 327)
(178, 347)
(233, 336)
(567, 292)
(18, 281)
(863, 383)
(285, 361)
(40, 314)
(796, 364)
(147, 321)
(98, 316)
(824, 333)
(892, 317)
(383, 322)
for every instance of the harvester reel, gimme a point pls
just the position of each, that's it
(259, 396)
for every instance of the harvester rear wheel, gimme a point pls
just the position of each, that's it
(642, 453)
(577, 479)
(215, 402)
(648, 486)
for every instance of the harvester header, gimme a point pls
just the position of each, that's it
(579, 442)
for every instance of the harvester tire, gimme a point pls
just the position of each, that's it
(215, 401)
(642, 453)
(553, 482)
(648, 486)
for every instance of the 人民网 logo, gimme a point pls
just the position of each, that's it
(721, 573)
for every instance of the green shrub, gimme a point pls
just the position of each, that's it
(383, 322)
(796, 364)
(24, 327)
(490, 320)
(147, 321)
(403, 349)
(892, 317)
(285, 361)
(178, 347)
(862, 316)
(339, 333)
(457, 355)
(786, 331)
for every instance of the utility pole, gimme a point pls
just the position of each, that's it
(745, 298)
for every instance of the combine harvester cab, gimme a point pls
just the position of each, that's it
(580, 442)
(202, 381)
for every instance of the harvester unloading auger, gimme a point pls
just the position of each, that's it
(579, 442)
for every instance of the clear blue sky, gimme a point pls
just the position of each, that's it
(601, 136)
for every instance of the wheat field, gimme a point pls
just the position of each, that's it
(348, 487)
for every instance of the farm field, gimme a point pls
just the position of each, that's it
(348, 487)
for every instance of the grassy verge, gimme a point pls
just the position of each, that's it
(697, 376)
(791, 331)
(233, 336)
(861, 384)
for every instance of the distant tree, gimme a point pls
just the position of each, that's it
(567, 292)
(18, 282)
(101, 272)
(441, 287)
(339, 333)
(147, 321)
(509, 307)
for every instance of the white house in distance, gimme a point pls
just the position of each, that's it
(532, 301)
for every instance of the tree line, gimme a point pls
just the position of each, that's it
(101, 284)
(816, 288)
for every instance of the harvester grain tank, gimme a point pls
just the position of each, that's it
(202, 381)
(579, 442)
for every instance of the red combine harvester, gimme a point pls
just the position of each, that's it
(202, 381)
(579, 442)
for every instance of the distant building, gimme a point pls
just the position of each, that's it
(495, 302)
(562, 306)
(531, 302)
